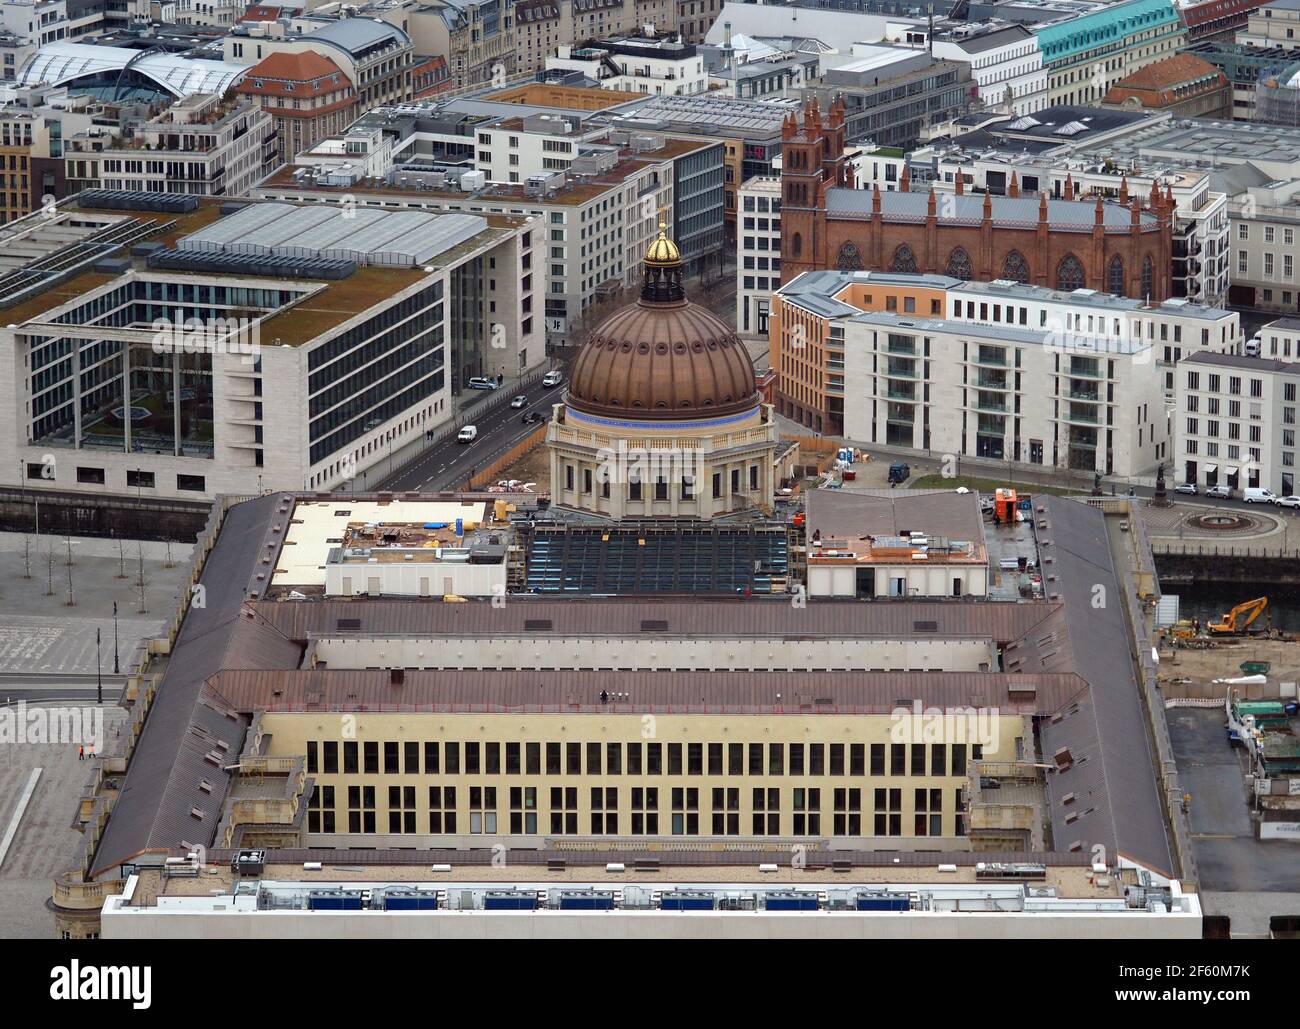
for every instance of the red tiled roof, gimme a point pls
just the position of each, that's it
(1172, 71)
(312, 74)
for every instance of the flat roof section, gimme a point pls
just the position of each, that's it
(318, 526)
(851, 515)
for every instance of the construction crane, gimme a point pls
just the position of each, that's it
(1238, 621)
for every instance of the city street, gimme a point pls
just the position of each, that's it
(447, 464)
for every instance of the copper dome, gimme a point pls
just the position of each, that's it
(662, 357)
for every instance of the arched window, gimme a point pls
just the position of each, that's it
(904, 260)
(959, 265)
(848, 259)
(1147, 275)
(796, 245)
(1115, 276)
(1015, 268)
(1069, 273)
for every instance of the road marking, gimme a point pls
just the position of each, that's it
(19, 811)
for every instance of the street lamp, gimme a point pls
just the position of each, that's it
(116, 670)
(99, 677)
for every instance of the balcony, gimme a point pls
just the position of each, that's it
(991, 382)
(901, 370)
(904, 345)
(898, 393)
(1075, 393)
(1081, 415)
(991, 358)
(996, 405)
(1085, 369)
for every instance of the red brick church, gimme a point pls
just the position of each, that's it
(1122, 247)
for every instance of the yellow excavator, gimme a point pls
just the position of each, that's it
(1239, 620)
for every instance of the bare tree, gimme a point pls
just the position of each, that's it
(27, 556)
(49, 571)
(72, 598)
(121, 558)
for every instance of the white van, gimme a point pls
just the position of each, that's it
(468, 434)
(1252, 495)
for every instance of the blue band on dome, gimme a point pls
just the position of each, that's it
(628, 423)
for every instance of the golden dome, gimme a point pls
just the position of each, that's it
(663, 252)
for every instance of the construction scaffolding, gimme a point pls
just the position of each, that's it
(1277, 99)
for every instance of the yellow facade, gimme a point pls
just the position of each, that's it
(384, 778)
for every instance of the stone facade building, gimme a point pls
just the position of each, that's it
(1115, 247)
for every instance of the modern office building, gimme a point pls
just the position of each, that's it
(278, 344)
(203, 145)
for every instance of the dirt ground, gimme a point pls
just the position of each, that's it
(1224, 661)
(533, 466)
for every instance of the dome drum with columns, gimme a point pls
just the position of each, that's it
(662, 416)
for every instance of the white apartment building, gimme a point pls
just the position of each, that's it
(36, 21)
(1236, 422)
(202, 145)
(1265, 242)
(280, 347)
(1001, 392)
(1004, 59)
(1279, 340)
(637, 65)
(1274, 24)
(1173, 329)
(216, 13)
(975, 364)
(519, 148)
(758, 254)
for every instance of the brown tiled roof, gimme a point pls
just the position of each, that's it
(773, 618)
(666, 692)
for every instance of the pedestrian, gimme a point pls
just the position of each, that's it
(81, 752)
(92, 751)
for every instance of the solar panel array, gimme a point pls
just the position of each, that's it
(137, 200)
(638, 560)
(219, 263)
(364, 236)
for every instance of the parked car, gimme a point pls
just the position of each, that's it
(479, 382)
(1291, 501)
(532, 417)
(1186, 487)
(468, 434)
(553, 378)
(519, 401)
(1255, 495)
(1221, 492)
